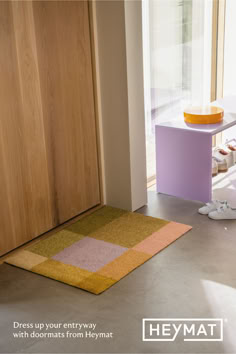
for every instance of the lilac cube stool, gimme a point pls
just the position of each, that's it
(184, 157)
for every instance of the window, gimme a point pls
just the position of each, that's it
(177, 37)
(230, 49)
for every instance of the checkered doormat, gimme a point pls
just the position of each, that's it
(100, 249)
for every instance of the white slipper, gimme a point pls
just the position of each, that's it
(230, 156)
(214, 167)
(221, 160)
(209, 207)
(233, 149)
(224, 212)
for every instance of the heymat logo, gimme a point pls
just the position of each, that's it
(189, 329)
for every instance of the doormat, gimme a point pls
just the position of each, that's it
(100, 249)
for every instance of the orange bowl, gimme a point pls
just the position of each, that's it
(203, 115)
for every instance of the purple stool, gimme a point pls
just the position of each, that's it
(184, 157)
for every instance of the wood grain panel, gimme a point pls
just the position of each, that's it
(64, 58)
(48, 152)
(36, 164)
(24, 204)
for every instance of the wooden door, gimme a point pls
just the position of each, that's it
(48, 148)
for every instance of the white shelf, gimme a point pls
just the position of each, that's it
(229, 105)
(228, 121)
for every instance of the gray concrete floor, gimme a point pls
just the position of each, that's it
(193, 277)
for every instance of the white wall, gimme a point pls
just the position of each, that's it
(118, 36)
(134, 62)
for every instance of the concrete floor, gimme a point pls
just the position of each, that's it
(193, 277)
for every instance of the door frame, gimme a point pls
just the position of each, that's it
(217, 67)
